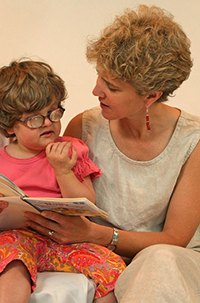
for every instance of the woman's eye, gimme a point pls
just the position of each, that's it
(112, 89)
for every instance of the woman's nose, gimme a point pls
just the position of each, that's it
(98, 90)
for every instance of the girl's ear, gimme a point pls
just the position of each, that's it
(10, 131)
(152, 97)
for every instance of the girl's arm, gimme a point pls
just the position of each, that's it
(58, 156)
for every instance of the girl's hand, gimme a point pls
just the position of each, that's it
(62, 229)
(61, 157)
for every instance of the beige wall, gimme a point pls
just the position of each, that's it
(56, 31)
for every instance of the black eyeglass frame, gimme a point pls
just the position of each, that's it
(44, 117)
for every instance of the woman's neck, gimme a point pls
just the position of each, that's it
(136, 142)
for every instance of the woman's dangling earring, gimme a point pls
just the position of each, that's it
(147, 119)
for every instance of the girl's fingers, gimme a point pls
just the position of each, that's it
(58, 147)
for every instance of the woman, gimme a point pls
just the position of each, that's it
(150, 156)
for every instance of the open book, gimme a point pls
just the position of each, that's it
(19, 202)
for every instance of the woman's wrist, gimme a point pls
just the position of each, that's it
(112, 245)
(100, 234)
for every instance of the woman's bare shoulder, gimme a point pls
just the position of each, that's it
(74, 128)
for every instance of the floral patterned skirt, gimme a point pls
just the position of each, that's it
(39, 253)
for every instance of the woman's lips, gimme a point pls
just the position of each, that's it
(102, 105)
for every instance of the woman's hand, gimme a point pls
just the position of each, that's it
(62, 229)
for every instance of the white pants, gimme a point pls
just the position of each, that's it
(61, 287)
(161, 274)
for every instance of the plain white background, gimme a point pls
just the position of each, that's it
(56, 32)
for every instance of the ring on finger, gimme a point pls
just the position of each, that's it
(51, 232)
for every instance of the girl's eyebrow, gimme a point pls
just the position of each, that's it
(55, 103)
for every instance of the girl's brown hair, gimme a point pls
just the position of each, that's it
(26, 87)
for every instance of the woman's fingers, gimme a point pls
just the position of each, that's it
(39, 223)
(46, 227)
(60, 228)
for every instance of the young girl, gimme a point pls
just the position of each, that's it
(43, 164)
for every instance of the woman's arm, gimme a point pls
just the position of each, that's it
(69, 229)
(182, 220)
(183, 216)
(74, 128)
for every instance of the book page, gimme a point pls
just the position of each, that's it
(12, 216)
(8, 188)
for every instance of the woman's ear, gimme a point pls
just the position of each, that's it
(152, 97)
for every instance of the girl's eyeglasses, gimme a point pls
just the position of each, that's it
(37, 121)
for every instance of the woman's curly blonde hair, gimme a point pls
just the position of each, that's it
(146, 48)
(27, 86)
